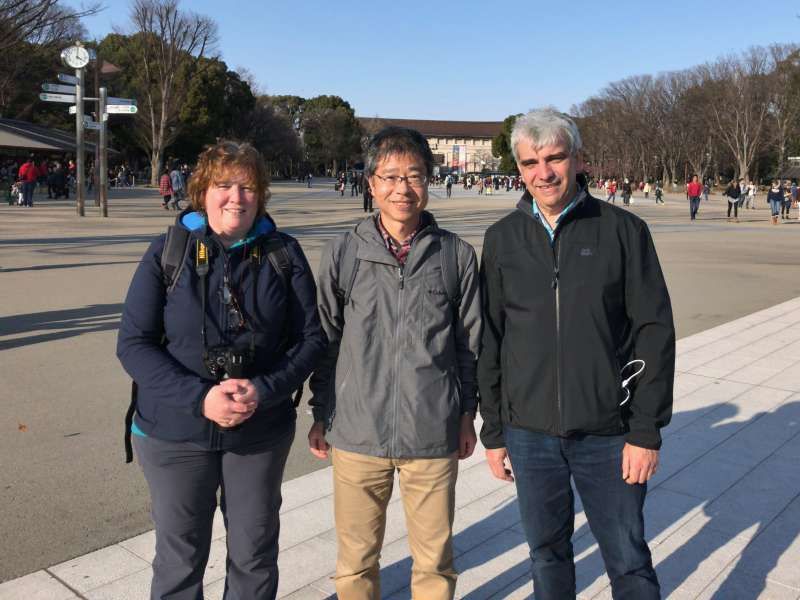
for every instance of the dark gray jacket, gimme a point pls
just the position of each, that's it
(400, 368)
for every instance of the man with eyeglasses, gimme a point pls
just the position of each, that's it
(399, 301)
(577, 363)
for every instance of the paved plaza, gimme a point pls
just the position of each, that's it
(723, 513)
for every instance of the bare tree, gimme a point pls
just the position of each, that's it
(740, 106)
(37, 21)
(784, 96)
(172, 42)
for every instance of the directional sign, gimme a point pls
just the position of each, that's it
(61, 89)
(92, 125)
(64, 78)
(122, 109)
(112, 100)
(57, 98)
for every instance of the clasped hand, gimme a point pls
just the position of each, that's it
(231, 402)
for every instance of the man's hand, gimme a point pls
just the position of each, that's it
(499, 463)
(638, 464)
(466, 436)
(316, 440)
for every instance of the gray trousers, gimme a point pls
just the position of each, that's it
(183, 479)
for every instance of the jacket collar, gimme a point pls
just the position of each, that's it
(197, 223)
(525, 203)
(373, 248)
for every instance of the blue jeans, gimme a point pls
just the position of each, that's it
(542, 466)
(27, 193)
(694, 204)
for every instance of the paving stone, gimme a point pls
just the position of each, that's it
(36, 586)
(733, 584)
(307, 488)
(484, 518)
(306, 593)
(665, 512)
(98, 568)
(302, 564)
(774, 553)
(143, 546)
(306, 521)
(132, 587)
(693, 556)
(494, 565)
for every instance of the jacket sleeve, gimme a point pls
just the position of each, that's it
(331, 314)
(139, 343)
(306, 340)
(468, 327)
(489, 364)
(653, 339)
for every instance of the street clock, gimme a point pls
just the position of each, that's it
(76, 57)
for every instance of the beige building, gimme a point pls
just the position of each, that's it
(461, 146)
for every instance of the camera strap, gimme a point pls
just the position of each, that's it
(201, 267)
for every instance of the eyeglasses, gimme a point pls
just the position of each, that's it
(415, 181)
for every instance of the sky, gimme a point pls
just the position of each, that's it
(471, 60)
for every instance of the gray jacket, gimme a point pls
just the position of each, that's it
(400, 368)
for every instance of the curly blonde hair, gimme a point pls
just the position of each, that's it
(221, 160)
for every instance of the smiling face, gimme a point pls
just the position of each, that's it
(401, 204)
(549, 174)
(231, 205)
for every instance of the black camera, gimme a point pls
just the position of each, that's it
(224, 362)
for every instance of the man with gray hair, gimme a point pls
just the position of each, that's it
(399, 301)
(577, 363)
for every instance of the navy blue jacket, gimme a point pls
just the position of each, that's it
(172, 378)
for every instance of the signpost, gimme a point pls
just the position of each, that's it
(113, 100)
(121, 109)
(58, 97)
(78, 57)
(58, 88)
(64, 78)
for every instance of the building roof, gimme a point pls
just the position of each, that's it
(29, 136)
(430, 128)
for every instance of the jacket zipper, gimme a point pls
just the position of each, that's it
(398, 320)
(556, 291)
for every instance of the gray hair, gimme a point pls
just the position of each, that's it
(544, 127)
(397, 140)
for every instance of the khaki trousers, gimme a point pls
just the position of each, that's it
(362, 486)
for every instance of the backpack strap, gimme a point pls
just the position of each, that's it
(173, 256)
(348, 267)
(278, 256)
(129, 423)
(449, 257)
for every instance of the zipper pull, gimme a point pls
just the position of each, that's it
(555, 278)
(402, 276)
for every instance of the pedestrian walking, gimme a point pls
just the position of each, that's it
(28, 175)
(693, 190)
(786, 206)
(165, 189)
(775, 199)
(626, 192)
(733, 192)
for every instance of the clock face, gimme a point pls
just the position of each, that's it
(76, 57)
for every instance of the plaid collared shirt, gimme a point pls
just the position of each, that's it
(399, 251)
